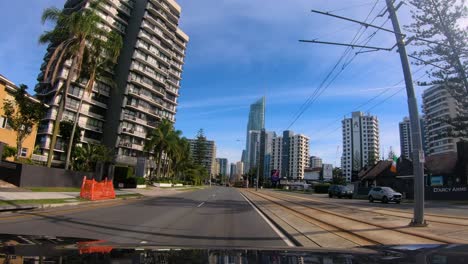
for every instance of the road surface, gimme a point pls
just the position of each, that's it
(211, 217)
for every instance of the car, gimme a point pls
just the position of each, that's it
(384, 194)
(340, 191)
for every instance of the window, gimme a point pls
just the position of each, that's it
(24, 152)
(4, 123)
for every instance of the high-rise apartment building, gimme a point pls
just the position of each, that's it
(266, 145)
(256, 122)
(406, 143)
(146, 79)
(222, 166)
(292, 157)
(232, 172)
(361, 143)
(299, 155)
(253, 150)
(209, 160)
(440, 104)
(315, 162)
(239, 170)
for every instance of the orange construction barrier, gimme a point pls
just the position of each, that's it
(93, 247)
(93, 190)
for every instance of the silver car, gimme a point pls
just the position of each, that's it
(384, 194)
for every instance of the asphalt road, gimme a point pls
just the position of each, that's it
(215, 216)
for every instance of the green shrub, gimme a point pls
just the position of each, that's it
(141, 181)
(321, 188)
(8, 152)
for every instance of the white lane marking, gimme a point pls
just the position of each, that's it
(200, 205)
(277, 231)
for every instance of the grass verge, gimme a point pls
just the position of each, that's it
(54, 189)
(36, 201)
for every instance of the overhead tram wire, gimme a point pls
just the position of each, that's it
(367, 102)
(311, 99)
(323, 89)
(334, 67)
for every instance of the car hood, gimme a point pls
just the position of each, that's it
(78, 250)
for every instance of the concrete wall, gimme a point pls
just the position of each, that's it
(23, 175)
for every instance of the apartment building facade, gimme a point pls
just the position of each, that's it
(439, 104)
(290, 155)
(146, 80)
(315, 162)
(361, 143)
(209, 160)
(406, 142)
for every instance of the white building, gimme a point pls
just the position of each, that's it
(297, 155)
(440, 104)
(315, 162)
(239, 170)
(361, 142)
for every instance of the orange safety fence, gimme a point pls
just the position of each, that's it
(93, 247)
(93, 190)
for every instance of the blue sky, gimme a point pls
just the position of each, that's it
(240, 50)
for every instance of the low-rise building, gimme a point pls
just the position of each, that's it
(7, 135)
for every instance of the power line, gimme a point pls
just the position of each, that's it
(369, 101)
(313, 97)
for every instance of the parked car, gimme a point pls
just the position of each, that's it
(340, 191)
(384, 194)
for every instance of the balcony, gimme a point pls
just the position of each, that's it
(126, 160)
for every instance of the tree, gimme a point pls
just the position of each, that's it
(8, 151)
(70, 37)
(22, 113)
(66, 130)
(371, 160)
(158, 143)
(441, 38)
(88, 156)
(390, 155)
(199, 152)
(101, 54)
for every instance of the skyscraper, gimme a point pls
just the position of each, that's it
(440, 104)
(361, 143)
(232, 172)
(256, 122)
(266, 147)
(253, 153)
(406, 144)
(146, 80)
(223, 166)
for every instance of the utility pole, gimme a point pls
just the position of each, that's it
(418, 154)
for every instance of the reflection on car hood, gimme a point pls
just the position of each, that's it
(36, 249)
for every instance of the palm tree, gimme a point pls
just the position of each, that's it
(70, 36)
(101, 54)
(88, 155)
(158, 142)
(173, 150)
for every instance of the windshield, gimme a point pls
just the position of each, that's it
(240, 124)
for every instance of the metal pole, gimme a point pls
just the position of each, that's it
(418, 154)
(256, 182)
